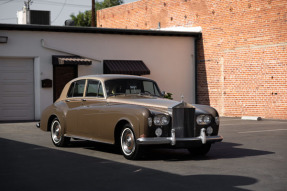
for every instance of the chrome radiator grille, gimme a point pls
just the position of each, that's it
(183, 121)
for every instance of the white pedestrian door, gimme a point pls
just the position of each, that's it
(16, 89)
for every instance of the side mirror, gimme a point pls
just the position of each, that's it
(163, 93)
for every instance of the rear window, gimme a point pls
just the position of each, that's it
(77, 89)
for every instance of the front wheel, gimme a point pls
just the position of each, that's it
(57, 135)
(129, 147)
(200, 151)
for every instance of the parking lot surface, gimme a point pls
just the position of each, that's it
(252, 156)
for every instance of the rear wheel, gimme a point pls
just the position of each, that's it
(129, 147)
(200, 151)
(57, 135)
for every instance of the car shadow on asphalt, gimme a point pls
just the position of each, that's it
(222, 150)
(32, 167)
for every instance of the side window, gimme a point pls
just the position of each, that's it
(71, 90)
(77, 89)
(94, 89)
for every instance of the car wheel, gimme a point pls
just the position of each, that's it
(200, 151)
(129, 147)
(57, 136)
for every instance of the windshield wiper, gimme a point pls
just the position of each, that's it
(115, 94)
(148, 94)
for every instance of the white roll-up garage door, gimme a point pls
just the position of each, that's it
(16, 89)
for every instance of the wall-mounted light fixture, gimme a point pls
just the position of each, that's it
(3, 39)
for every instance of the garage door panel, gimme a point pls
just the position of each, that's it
(16, 100)
(16, 89)
(15, 77)
(15, 114)
(21, 89)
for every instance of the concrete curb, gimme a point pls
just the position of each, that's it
(251, 118)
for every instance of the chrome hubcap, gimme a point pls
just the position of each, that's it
(127, 142)
(56, 131)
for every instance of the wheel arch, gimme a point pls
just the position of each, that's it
(50, 120)
(118, 128)
(61, 120)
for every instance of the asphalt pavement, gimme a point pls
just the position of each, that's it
(252, 156)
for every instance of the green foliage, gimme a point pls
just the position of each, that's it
(111, 3)
(84, 19)
(168, 96)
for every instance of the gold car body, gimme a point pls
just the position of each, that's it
(102, 118)
(95, 118)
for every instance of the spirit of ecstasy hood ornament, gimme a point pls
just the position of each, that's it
(182, 98)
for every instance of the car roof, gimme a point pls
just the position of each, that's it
(104, 77)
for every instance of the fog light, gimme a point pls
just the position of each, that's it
(149, 121)
(209, 130)
(158, 132)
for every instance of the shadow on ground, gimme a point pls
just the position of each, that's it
(31, 167)
(222, 150)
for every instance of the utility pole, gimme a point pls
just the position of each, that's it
(93, 13)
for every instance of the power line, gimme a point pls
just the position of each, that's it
(9, 18)
(60, 11)
(6, 2)
(46, 2)
(60, 4)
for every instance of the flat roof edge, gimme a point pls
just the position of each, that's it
(73, 29)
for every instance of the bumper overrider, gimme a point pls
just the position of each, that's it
(173, 140)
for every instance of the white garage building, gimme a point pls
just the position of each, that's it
(36, 61)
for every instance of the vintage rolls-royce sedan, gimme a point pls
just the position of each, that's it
(131, 112)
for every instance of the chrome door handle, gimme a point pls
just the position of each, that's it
(67, 100)
(84, 100)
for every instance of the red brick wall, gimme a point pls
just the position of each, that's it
(242, 57)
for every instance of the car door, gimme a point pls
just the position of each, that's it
(91, 115)
(74, 102)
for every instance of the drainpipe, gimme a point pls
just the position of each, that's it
(196, 64)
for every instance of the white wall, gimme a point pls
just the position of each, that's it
(170, 59)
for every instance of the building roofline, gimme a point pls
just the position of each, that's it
(73, 29)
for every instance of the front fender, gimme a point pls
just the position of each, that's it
(135, 115)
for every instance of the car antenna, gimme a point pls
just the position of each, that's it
(182, 98)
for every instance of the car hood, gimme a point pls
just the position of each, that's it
(145, 101)
(160, 104)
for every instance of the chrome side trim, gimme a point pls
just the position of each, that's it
(172, 140)
(86, 138)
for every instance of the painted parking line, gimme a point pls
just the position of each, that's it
(263, 131)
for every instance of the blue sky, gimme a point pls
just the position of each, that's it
(60, 9)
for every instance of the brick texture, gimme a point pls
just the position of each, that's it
(242, 57)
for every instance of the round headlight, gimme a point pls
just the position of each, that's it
(203, 119)
(199, 119)
(164, 120)
(207, 119)
(161, 120)
(156, 120)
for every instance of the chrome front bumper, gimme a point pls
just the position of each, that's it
(172, 140)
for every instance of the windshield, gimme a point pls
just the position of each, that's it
(132, 86)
